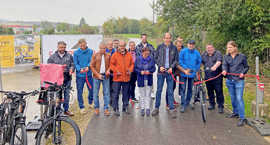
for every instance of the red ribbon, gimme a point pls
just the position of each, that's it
(87, 82)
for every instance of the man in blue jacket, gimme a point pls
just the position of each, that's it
(82, 59)
(189, 59)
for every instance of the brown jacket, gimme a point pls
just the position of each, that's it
(96, 63)
(121, 64)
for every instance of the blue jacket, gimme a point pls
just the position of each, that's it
(190, 59)
(82, 59)
(142, 64)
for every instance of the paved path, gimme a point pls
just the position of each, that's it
(187, 129)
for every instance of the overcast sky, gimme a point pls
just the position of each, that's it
(94, 11)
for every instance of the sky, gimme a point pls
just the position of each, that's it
(96, 12)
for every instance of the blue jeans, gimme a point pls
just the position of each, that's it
(236, 90)
(67, 84)
(80, 81)
(106, 92)
(160, 82)
(117, 86)
(186, 97)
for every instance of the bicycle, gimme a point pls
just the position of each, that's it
(12, 118)
(57, 128)
(200, 96)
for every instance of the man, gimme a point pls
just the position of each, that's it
(189, 60)
(101, 73)
(122, 66)
(82, 60)
(179, 46)
(110, 48)
(133, 78)
(111, 51)
(115, 44)
(166, 59)
(62, 57)
(144, 43)
(212, 59)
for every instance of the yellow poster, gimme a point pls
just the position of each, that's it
(7, 51)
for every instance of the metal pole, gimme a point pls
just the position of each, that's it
(257, 84)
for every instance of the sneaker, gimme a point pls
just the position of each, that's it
(125, 110)
(82, 111)
(155, 112)
(233, 116)
(135, 100)
(148, 112)
(175, 103)
(173, 113)
(242, 122)
(211, 107)
(97, 111)
(220, 110)
(107, 112)
(91, 106)
(182, 109)
(68, 113)
(167, 107)
(117, 113)
(142, 112)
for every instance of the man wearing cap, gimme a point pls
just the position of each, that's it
(189, 59)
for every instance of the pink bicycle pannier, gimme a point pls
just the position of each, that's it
(53, 73)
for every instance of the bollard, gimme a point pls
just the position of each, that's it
(260, 92)
(257, 84)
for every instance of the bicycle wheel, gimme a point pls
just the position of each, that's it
(20, 135)
(203, 105)
(63, 131)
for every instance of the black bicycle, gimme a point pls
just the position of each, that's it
(56, 128)
(199, 95)
(12, 118)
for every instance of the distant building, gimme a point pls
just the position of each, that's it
(18, 28)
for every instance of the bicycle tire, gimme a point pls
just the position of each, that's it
(49, 123)
(203, 105)
(23, 135)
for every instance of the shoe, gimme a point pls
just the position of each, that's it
(82, 111)
(91, 106)
(242, 122)
(211, 107)
(175, 103)
(148, 112)
(142, 112)
(155, 112)
(167, 107)
(107, 112)
(135, 100)
(125, 110)
(97, 111)
(68, 113)
(173, 113)
(220, 110)
(233, 116)
(117, 113)
(182, 109)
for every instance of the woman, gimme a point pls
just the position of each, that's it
(145, 67)
(235, 62)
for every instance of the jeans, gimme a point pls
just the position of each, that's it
(186, 96)
(117, 86)
(215, 90)
(160, 82)
(80, 81)
(111, 90)
(236, 90)
(132, 86)
(67, 84)
(106, 92)
(174, 86)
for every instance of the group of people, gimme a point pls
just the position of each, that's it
(119, 68)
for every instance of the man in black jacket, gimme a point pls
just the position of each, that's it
(166, 58)
(62, 57)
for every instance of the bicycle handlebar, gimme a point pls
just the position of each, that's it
(12, 94)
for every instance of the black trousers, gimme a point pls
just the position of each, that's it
(132, 86)
(215, 91)
(117, 87)
(111, 90)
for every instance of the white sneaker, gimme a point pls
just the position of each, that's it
(91, 106)
(83, 111)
